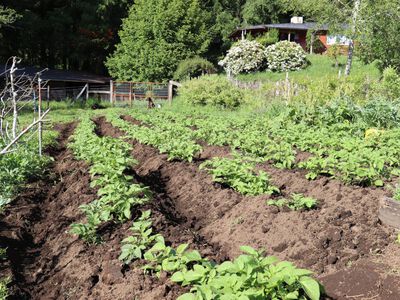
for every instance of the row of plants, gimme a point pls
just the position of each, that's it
(339, 149)
(109, 161)
(250, 276)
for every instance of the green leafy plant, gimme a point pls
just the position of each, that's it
(3, 288)
(296, 202)
(240, 175)
(142, 238)
(250, 276)
(211, 90)
(3, 253)
(193, 67)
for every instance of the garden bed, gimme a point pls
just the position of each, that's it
(342, 241)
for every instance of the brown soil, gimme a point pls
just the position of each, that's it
(335, 240)
(46, 262)
(342, 241)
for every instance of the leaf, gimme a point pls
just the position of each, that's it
(182, 248)
(187, 296)
(192, 256)
(311, 287)
(177, 277)
(249, 250)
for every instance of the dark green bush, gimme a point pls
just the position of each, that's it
(269, 38)
(193, 67)
(211, 90)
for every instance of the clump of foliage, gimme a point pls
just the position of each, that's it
(269, 38)
(244, 57)
(193, 67)
(18, 167)
(296, 202)
(156, 36)
(240, 279)
(235, 279)
(285, 56)
(3, 288)
(3, 253)
(133, 247)
(381, 113)
(240, 175)
(389, 86)
(334, 53)
(211, 90)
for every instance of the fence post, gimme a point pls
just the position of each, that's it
(170, 92)
(40, 116)
(87, 91)
(130, 94)
(111, 91)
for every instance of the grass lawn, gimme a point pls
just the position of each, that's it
(321, 66)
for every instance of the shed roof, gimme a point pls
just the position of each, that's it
(59, 75)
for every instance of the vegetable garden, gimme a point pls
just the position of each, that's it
(188, 203)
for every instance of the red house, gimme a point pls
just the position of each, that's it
(295, 31)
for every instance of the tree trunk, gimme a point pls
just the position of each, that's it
(356, 11)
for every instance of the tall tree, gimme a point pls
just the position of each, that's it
(261, 11)
(380, 27)
(156, 36)
(65, 34)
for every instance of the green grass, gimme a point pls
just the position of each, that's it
(321, 66)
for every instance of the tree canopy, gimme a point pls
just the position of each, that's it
(156, 36)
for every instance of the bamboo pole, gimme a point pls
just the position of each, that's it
(40, 116)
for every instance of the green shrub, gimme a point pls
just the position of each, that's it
(286, 56)
(381, 113)
(269, 38)
(244, 57)
(389, 86)
(193, 67)
(211, 90)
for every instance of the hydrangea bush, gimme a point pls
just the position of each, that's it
(285, 56)
(244, 57)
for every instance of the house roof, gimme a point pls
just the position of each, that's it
(288, 26)
(298, 26)
(59, 75)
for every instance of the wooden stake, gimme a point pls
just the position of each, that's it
(40, 116)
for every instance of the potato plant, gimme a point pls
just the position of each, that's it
(250, 276)
(240, 175)
(296, 202)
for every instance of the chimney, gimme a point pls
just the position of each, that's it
(296, 20)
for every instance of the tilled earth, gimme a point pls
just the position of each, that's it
(342, 241)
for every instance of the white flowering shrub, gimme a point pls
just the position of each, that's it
(244, 57)
(285, 56)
